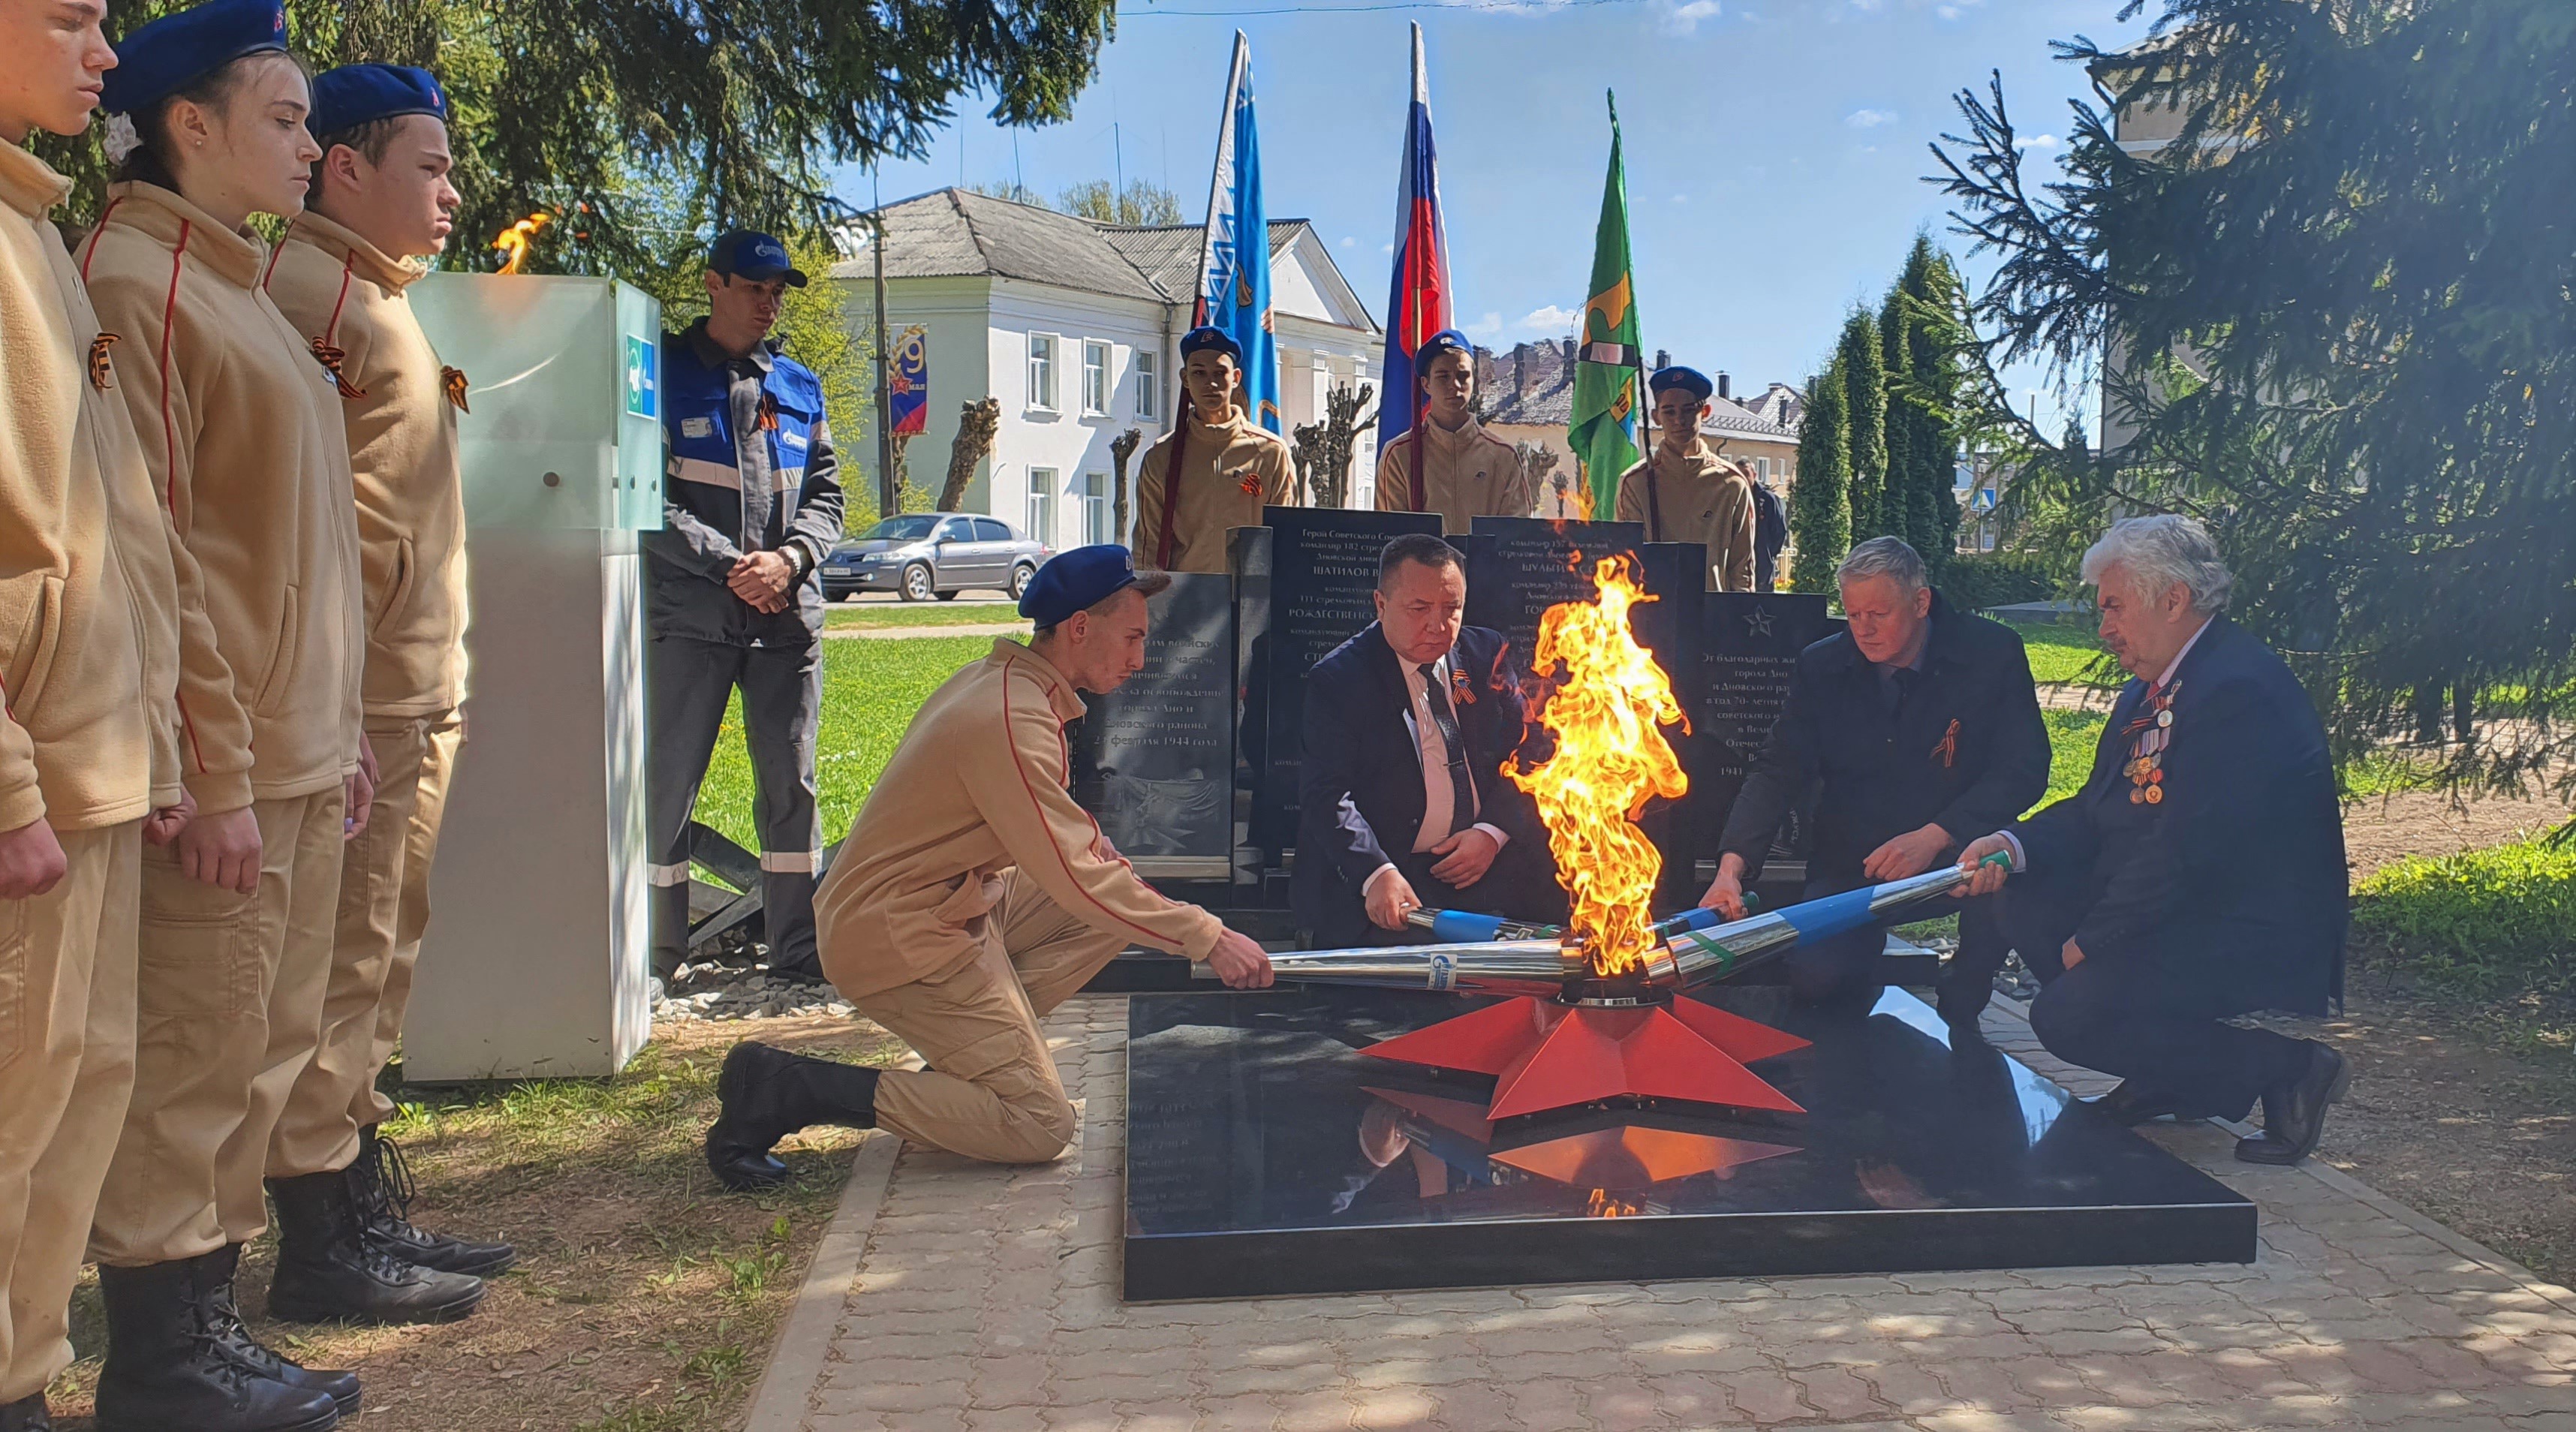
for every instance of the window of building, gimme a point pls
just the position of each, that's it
(1095, 378)
(1042, 371)
(1095, 509)
(1041, 516)
(1149, 385)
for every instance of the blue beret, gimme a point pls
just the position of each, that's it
(353, 95)
(1201, 340)
(1075, 581)
(166, 56)
(742, 253)
(1447, 340)
(1689, 380)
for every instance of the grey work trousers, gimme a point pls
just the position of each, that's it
(687, 684)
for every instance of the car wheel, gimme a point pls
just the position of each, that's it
(949, 596)
(1020, 580)
(916, 582)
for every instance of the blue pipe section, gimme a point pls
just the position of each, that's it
(1831, 915)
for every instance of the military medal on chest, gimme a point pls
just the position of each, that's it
(2149, 734)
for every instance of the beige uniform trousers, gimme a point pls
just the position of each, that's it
(229, 1008)
(384, 907)
(66, 1070)
(992, 1091)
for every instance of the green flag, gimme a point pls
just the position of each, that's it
(1603, 432)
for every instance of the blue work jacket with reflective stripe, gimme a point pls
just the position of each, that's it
(750, 468)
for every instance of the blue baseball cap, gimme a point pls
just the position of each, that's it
(759, 257)
(1689, 380)
(353, 95)
(162, 58)
(1077, 581)
(1207, 338)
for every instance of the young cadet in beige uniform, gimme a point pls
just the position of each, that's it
(1685, 492)
(1229, 466)
(1467, 472)
(381, 196)
(972, 897)
(89, 760)
(239, 423)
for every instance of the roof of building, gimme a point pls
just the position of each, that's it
(1533, 384)
(958, 233)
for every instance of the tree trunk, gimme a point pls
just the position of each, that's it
(902, 487)
(1324, 449)
(976, 424)
(1122, 448)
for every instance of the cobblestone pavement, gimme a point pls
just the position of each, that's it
(955, 1296)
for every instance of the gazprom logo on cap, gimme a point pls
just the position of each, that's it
(1444, 971)
(767, 254)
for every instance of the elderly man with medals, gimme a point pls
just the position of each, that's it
(2198, 875)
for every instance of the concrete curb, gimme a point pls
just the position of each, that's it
(784, 1399)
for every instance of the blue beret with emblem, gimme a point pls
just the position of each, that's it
(1209, 338)
(1077, 581)
(164, 57)
(1689, 380)
(353, 95)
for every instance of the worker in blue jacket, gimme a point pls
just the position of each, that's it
(751, 505)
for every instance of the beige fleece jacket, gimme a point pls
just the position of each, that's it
(89, 599)
(240, 427)
(1700, 497)
(977, 786)
(1229, 472)
(1466, 474)
(344, 294)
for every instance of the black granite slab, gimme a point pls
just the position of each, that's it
(1266, 1156)
(1153, 761)
(1749, 645)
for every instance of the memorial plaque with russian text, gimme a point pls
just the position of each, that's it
(1749, 646)
(1156, 764)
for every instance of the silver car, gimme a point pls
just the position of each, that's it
(933, 554)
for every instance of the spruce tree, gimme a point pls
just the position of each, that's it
(1864, 370)
(1897, 499)
(1820, 499)
(1919, 330)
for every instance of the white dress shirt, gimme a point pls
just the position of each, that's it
(1433, 753)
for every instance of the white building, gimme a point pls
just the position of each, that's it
(1074, 326)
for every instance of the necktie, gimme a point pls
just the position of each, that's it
(1462, 796)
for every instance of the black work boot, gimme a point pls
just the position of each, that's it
(166, 1370)
(27, 1414)
(769, 1094)
(224, 1321)
(384, 1191)
(327, 1270)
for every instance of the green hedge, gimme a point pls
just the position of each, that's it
(2483, 922)
(1993, 579)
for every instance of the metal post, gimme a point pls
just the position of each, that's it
(887, 496)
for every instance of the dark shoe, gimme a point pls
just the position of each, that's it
(384, 1192)
(2294, 1113)
(224, 1320)
(328, 1271)
(27, 1414)
(165, 1369)
(2130, 1105)
(768, 1094)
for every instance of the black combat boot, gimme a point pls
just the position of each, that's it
(327, 1270)
(384, 1192)
(165, 1369)
(27, 1414)
(224, 1320)
(769, 1094)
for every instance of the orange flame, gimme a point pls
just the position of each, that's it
(515, 240)
(1609, 760)
(1602, 1205)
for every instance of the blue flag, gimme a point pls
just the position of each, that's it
(1234, 257)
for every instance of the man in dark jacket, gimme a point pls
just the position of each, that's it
(751, 505)
(2199, 873)
(1770, 533)
(1401, 799)
(1924, 728)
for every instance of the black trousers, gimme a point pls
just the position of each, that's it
(1842, 971)
(2137, 1013)
(1520, 885)
(687, 686)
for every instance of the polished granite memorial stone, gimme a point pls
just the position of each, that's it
(1153, 761)
(1267, 1155)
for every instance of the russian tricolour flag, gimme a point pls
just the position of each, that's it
(1234, 258)
(1417, 303)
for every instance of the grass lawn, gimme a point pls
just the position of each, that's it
(870, 690)
(845, 617)
(2066, 653)
(2071, 738)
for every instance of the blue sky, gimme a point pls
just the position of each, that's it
(1775, 148)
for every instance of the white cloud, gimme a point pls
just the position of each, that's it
(1488, 327)
(1681, 198)
(1387, 249)
(1549, 320)
(2040, 141)
(1869, 118)
(1946, 12)
(1348, 241)
(1684, 16)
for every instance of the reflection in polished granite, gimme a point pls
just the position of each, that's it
(1265, 1155)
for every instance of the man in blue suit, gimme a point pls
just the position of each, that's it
(1401, 797)
(2199, 874)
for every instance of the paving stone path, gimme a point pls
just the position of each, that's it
(952, 1296)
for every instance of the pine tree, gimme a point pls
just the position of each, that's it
(1864, 370)
(1820, 498)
